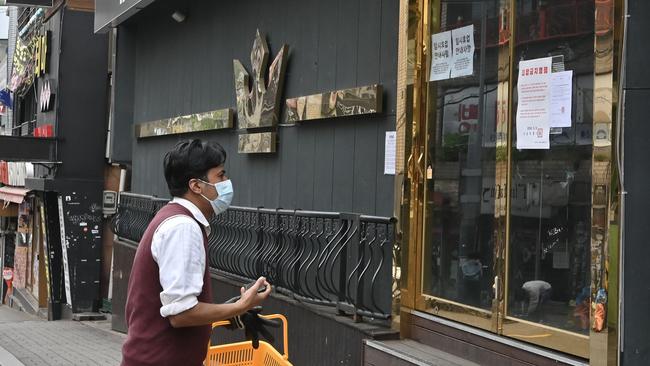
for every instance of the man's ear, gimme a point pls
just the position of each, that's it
(195, 186)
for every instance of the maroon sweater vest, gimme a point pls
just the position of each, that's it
(151, 340)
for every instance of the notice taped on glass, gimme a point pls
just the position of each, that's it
(533, 104)
(452, 54)
(463, 41)
(441, 56)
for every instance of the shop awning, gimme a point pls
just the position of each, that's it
(13, 194)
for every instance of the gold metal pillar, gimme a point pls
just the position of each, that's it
(400, 265)
(415, 161)
(603, 334)
(503, 163)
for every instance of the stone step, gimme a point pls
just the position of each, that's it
(81, 317)
(407, 352)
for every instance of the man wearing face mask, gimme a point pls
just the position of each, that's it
(168, 310)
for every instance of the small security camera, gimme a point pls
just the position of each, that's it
(178, 16)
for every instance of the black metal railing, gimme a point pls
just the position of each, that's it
(341, 260)
(135, 213)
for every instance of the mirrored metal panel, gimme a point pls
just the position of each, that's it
(339, 103)
(213, 120)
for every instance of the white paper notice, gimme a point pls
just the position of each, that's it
(561, 93)
(533, 104)
(390, 149)
(441, 57)
(463, 43)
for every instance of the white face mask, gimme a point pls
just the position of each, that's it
(225, 193)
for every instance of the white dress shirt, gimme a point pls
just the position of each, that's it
(177, 247)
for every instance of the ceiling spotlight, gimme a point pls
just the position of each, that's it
(178, 16)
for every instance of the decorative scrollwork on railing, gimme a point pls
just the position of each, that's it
(135, 211)
(323, 258)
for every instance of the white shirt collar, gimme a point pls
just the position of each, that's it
(198, 215)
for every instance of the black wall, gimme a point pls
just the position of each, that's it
(79, 73)
(184, 68)
(83, 95)
(636, 296)
(123, 89)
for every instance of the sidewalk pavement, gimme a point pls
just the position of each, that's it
(28, 340)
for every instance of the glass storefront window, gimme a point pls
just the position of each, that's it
(459, 215)
(513, 241)
(550, 202)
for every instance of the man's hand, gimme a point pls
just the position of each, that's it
(255, 294)
(205, 313)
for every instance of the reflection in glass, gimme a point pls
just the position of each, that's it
(550, 196)
(458, 250)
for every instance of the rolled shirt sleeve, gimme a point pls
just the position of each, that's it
(177, 247)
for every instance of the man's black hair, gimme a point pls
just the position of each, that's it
(191, 160)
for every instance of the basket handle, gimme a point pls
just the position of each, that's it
(285, 330)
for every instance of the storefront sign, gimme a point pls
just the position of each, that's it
(46, 96)
(22, 72)
(533, 91)
(452, 54)
(41, 54)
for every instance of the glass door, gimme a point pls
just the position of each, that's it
(512, 238)
(459, 266)
(559, 194)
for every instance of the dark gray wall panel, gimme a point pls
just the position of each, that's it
(331, 164)
(288, 156)
(636, 294)
(326, 62)
(365, 172)
(369, 49)
(636, 271)
(343, 177)
(637, 51)
(347, 40)
(306, 165)
(388, 56)
(123, 88)
(324, 154)
(82, 106)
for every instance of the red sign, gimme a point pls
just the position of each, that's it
(8, 273)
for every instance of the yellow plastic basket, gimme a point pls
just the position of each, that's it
(243, 354)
